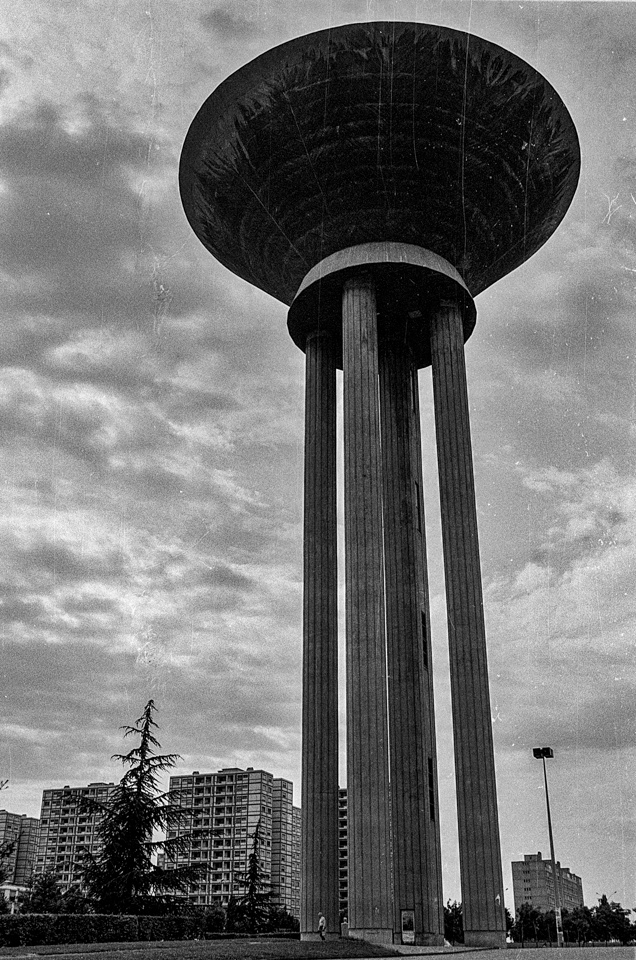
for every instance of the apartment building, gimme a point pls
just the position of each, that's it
(22, 833)
(343, 859)
(533, 883)
(226, 808)
(66, 831)
(294, 907)
(285, 884)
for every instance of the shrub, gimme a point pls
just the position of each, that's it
(214, 920)
(38, 928)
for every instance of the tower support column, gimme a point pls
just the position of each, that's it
(319, 861)
(417, 882)
(370, 902)
(479, 843)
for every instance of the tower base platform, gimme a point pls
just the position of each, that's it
(421, 940)
(373, 934)
(313, 937)
(485, 938)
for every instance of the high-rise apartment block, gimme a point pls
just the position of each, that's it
(227, 807)
(297, 823)
(533, 883)
(67, 830)
(285, 848)
(21, 834)
(343, 858)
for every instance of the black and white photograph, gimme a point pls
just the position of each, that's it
(318, 463)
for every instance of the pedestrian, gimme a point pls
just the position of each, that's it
(322, 923)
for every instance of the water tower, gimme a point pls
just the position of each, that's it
(375, 178)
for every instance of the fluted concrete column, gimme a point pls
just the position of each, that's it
(416, 454)
(479, 845)
(319, 861)
(414, 806)
(370, 909)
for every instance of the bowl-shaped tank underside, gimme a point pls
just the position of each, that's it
(371, 132)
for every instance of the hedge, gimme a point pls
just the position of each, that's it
(28, 929)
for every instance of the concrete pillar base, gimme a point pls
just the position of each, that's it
(373, 935)
(313, 937)
(423, 939)
(485, 938)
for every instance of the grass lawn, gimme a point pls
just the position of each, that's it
(205, 950)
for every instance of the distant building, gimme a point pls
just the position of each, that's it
(22, 833)
(227, 806)
(294, 909)
(12, 893)
(285, 878)
(66, 831)
(282, 840)
(532, 883)
(343, 858)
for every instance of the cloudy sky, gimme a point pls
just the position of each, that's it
(151, 410)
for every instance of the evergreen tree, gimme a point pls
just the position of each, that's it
(43, 894)
(233, 916)
(6, 848)
(123, 877)
(527, 923)
(254, 906)
(509, 921)
(453, 922)
(609, 921)
(214, 919)
(577, 924)
(75, 901)
(280, 919)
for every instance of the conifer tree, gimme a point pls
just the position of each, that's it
(453, 922)
(254, 905)
(43, 894)
(122, 878)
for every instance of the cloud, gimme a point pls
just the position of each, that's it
(230, 24)
(15, 731)
(562, 627)
(68, 204)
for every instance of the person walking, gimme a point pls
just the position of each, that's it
(322, 923)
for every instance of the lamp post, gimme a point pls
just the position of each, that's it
(540, 753)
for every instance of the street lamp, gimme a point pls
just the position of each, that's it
(540, 753)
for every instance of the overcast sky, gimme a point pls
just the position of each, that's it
(151, 410)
